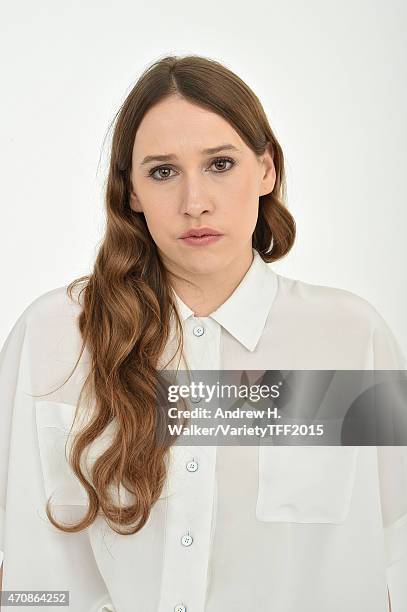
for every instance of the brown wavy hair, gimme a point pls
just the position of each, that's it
(128, 304)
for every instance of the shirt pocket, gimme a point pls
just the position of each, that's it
(54, 421)
(305, 484)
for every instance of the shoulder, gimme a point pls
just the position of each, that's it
(49, 316)
(322, 315)
(57, 303)
(327, 303)
(46, 334)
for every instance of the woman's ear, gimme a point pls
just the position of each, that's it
(134, 201)
(268, 176)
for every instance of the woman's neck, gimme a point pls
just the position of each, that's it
(212, 290)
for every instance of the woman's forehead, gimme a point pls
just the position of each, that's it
(173, 127)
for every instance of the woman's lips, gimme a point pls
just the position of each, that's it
(202, 241)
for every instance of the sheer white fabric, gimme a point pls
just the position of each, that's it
(273, 528)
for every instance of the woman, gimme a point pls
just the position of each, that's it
(136, 525)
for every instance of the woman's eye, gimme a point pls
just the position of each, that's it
(155, 170)
(216, 162)
(223, 160)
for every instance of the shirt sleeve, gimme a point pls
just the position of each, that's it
(392, 460)
(10, 359)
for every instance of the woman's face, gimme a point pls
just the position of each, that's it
(193, 188)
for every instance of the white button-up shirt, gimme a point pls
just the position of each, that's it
(236, 527)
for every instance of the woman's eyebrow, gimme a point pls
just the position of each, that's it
(169, 156)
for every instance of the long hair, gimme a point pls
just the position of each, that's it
(128, 305)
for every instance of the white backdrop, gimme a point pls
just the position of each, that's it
(329, 74)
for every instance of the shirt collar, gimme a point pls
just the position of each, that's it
(245, 312)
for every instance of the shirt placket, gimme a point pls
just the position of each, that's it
(190, 512)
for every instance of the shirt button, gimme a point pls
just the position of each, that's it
(198, 330)
(180, 608)
(192, 466)
(186, 539)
